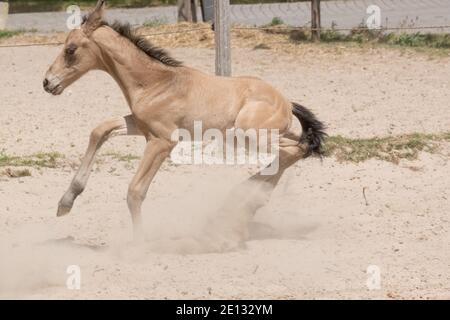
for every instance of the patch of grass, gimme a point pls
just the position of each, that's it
(276, 21)
(155, 22)
(40, 159)
(390, 149)
(122, 157)
(439, 41)
(4, 34)
(365, 35)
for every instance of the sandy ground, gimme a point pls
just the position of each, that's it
(322, 234)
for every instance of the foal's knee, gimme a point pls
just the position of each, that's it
(98, 134)
(135, 197)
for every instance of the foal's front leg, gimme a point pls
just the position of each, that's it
(115, 127)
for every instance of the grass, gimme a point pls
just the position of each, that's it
(122, 157)
(276, 21)
(364, 35)
(41, 160)
(390, 149)
(155, 22)
(4, 34)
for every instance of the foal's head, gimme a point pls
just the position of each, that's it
(80, 54)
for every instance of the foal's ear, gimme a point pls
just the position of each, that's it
(95, 18)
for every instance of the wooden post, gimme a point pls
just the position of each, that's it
(3, 14)
(187, 10)
(315, 20)
(222, 37)
(194, 7)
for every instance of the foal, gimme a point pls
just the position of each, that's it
(163, 96)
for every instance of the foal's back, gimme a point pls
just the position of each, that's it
(221, 102)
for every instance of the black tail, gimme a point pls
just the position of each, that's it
(313, 129)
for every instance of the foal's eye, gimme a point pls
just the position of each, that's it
(71, 49)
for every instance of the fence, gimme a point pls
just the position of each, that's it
(312, 15)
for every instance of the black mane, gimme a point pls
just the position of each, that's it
(125, 30)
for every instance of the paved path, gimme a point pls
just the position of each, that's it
(343, 13)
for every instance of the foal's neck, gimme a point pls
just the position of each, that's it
(133, 70)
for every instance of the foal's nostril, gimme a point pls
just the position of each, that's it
(45, 83)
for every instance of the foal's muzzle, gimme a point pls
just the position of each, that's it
(54, 89)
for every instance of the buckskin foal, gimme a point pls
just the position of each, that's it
(163, 96)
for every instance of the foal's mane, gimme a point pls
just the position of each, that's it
(154, 52)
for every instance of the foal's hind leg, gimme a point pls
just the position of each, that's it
(115, 127)
(249, 196)
(255, 192)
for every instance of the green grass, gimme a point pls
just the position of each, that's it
(155, 22)
(362, 35)
(4, 34)
(276, 21)
(390, 149)
(122, 157)
(40, 159)
(430, 40)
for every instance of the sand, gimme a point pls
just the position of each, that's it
(315, 239)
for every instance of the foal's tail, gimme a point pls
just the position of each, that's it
(313, 129)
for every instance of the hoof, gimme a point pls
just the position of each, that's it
(63, 211)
